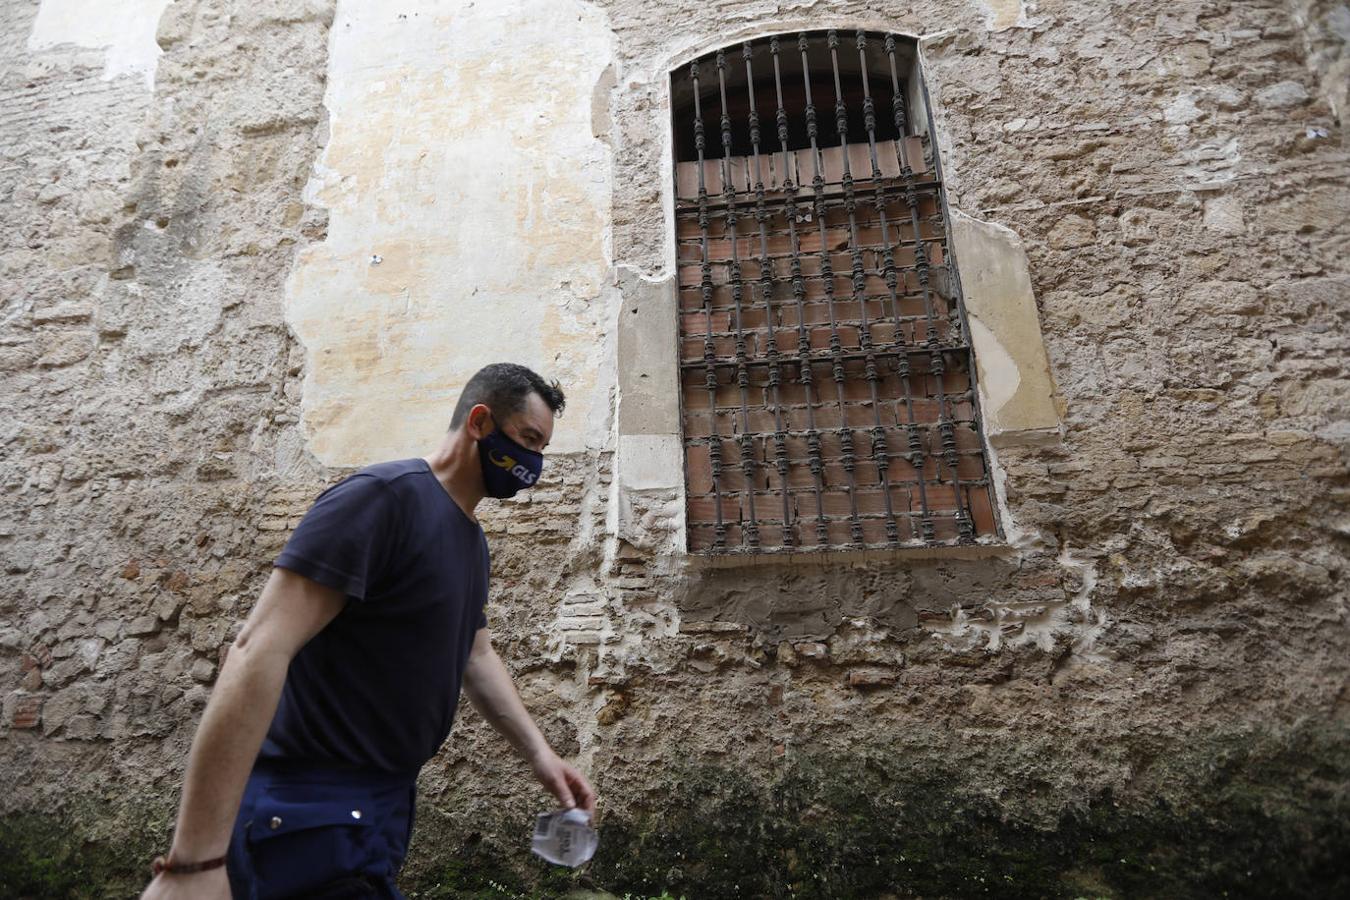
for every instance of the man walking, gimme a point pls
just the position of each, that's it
(346, 675)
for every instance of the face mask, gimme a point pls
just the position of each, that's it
(507, 466)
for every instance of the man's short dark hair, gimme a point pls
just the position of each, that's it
(504, 387)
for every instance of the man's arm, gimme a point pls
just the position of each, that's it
(493, 694)
(291, 610)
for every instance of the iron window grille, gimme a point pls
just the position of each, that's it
(827, 385)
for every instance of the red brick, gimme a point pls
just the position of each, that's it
(27, 712)
(863, 679)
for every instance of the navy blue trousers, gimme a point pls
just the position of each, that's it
(316, 832)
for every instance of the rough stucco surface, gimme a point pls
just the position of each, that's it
(1174, 573)
(446, 117)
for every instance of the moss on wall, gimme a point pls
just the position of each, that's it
(1223, 815)
(44, 856)
(1247, 814)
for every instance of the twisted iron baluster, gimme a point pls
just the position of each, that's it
(799, 294)
(780, 453)
(709, 348)
(750, 525)
(846, 455)
(937, 366)
(858, 275)
(900, 357)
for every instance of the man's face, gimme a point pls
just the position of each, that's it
(532, 427)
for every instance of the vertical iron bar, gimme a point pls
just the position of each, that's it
(847, 458)
(888, 255)
(766, 289)
(750, 527)
(709, 349)
(798, 293)
(936, 363)
(858, 277)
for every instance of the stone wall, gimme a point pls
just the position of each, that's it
(1157, 653)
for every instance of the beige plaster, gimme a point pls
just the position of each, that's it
(1004, 14)
(469, 211)
(1016, 388)
(650, 454)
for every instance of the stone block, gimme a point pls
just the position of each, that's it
(812, 650)
(70, 311)
(1283, 95)
(143, 625)
(82, 728)
(60, 708)
(118, 658)
(1223, 215)
(64, 348)
(64, 671)
(203, 670)
(1072, 231)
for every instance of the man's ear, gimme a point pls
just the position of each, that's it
(479, 421)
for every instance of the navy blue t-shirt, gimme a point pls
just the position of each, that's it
(378, 686)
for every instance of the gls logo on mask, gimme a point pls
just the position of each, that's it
(507, 466)
(508, 463)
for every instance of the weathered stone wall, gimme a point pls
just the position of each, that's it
(150, 381)
(1157, 654)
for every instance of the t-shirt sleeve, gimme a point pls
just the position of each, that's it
(344, 539)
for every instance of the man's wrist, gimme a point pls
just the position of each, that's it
(187, 849)
(538, 752)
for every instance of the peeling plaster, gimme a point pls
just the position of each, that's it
(463, 154)
(127, 33)
(1005, 14)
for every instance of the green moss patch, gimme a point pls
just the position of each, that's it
(1226, 816)
(1239, 815)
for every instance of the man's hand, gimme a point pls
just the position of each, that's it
(564, 781)
(212, 885)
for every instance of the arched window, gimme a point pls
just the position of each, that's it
(827, 393)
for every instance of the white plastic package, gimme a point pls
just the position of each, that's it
(565, 837)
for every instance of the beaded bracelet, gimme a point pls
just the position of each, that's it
(163, 866)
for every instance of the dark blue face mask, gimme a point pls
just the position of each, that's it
(507, 466)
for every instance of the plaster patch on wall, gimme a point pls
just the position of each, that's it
(1016, 388)
(469, 210)
(1004, 14)
(127, 33)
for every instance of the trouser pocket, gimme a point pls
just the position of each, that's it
(303, 837)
